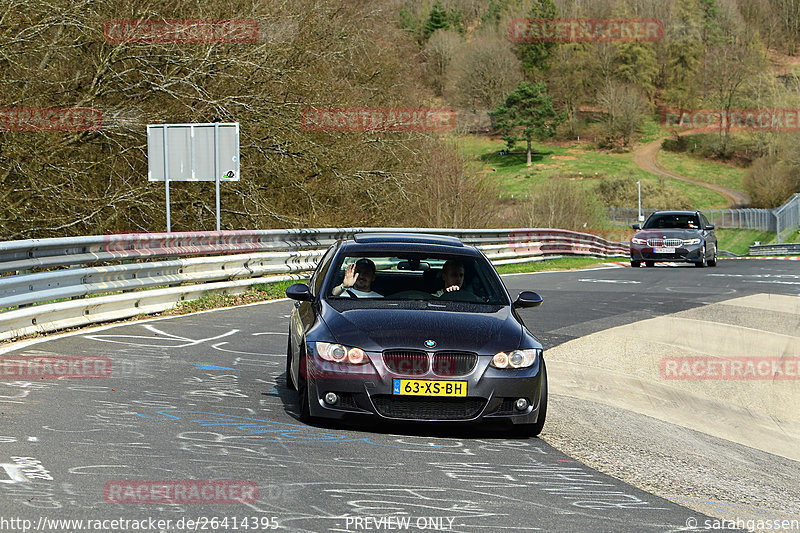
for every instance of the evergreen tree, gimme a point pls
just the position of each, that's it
(534, 56)
(684, 55)
(637, 65)
(526, 114)
(437, 19)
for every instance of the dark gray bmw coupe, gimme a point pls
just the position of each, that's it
(400, 345)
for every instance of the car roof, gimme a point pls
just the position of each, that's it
(407, 243)
(408, 238)
(674, 213)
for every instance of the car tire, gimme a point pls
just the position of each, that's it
(702, 262)
(635, 264)
(713, 261)
(303, 405)
(533, 430)
(649, 264)
(289, 383)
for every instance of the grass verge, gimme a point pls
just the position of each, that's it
(563, 263)
(256, 293)
(739, 241)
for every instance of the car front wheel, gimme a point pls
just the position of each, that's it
(702, 262)
(636, 264)
(713, 261)
(289, 383)
(533, 430)
(303, 395)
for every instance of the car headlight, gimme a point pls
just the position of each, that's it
(516, 358)
(636, 240)
(688, 242)
(339, 353)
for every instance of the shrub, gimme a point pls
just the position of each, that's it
(623, 192)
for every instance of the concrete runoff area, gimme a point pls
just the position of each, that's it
(719, 439)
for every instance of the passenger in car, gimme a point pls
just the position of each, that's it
(452, 275)
(358, 278)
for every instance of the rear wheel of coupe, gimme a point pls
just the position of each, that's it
(649, 264)
(636, 264)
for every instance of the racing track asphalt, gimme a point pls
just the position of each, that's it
(201, 397)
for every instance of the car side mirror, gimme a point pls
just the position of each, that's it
(527, 299)
(300, 292)
(709, 227)
(637, 226)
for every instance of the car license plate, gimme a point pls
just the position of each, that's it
(663, 250)
(419, 387)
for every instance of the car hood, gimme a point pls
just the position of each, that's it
(380, 329)
(668, 233)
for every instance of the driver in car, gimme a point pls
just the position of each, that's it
(358, 278)
(452, 275)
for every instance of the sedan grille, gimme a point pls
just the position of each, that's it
(428, 408)
(454, 363)
(672, 243)
(406, 362)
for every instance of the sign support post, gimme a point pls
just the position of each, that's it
(193, 152)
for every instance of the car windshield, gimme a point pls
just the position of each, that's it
(415, 278)
(672, 222)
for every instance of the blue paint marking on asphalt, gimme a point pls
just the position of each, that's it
(213, 367)
(268, 430)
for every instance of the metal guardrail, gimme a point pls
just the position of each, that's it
(52, 284)
(778, 220)
(775, 249)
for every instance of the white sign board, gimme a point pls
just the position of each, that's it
(192, 153)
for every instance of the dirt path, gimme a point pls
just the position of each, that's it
(645, 157)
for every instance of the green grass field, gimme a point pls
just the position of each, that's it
(578, 162)
(702, 169)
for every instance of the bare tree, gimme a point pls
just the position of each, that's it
(484, 72)
(439, 52)
(308, 53)
(625, 109)
(731, 69)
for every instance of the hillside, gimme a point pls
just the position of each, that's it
(270, 65)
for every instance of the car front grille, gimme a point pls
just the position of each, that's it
(406, 362)
(454, 363)
(672, 243)
(428, 408)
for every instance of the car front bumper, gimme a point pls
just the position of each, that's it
(690, 254)
(369, 389)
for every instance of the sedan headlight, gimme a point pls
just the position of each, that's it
(516, 358)
(689, 242)
(636, 240)
(339, 353)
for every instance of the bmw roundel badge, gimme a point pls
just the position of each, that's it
(430, 343)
